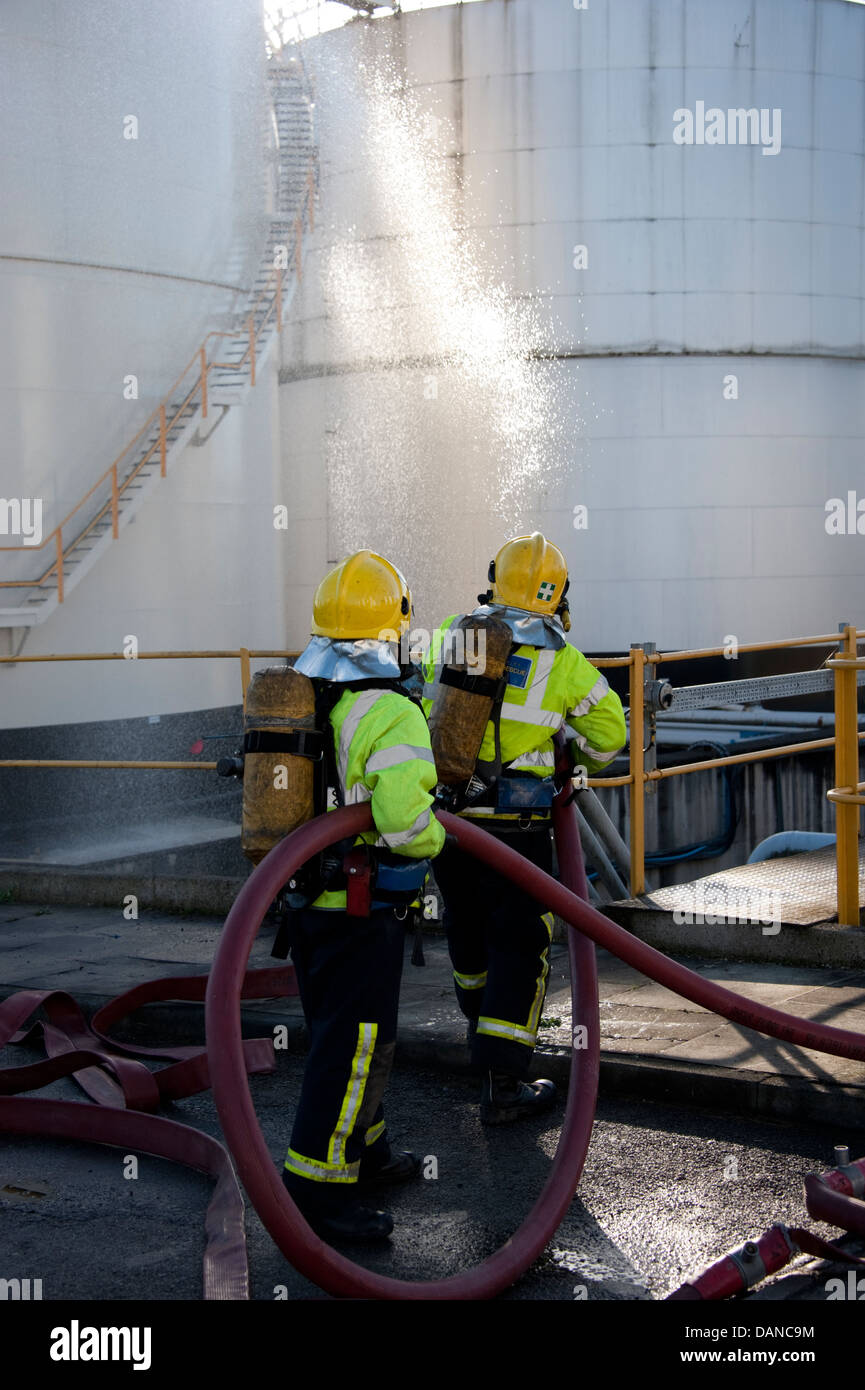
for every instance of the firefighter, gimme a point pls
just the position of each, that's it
(498, 936)
(349, 964)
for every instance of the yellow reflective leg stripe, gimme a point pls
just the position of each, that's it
(540, 993)
(470, 981)
(353, 1098)
(499, 1028)
(317, 1170)
(375, 1132)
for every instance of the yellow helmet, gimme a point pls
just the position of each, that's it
(365, 596)
(529, 572)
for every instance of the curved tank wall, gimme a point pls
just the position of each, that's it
(117, 255)
(679, 324)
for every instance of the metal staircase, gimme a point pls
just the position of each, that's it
(221, 373)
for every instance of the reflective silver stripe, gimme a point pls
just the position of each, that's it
(321, 1172)
(600, 688)
(538, 758)
(598, 755)
(497, 1028)
(470, 981)
(357, 793)
(526, 714)
(362, 705)
(429, 690)
(398, 753)
(353, 1098)
(374, 1132)
(405, 837)
(536, 691)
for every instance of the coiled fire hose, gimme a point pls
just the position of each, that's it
(125, 1092)
(113, 1075)
(258, 1172)
(105, 1069)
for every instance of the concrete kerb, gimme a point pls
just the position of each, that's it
(819, 943)
(208, 895)
(435, 1048)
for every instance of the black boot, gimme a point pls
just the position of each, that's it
(506, 1098)
(337, 1216)
(398, 1167)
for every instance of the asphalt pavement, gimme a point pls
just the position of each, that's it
(704, 1134)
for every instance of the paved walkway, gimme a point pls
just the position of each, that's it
(654, 1043)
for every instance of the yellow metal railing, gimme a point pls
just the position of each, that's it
(267, 307)
(847, 796)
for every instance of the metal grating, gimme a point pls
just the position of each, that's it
(756, 690)
(796, 889)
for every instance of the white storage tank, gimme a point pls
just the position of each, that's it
(133, 164)
(530, 295)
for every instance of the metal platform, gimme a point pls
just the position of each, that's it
(780, 909)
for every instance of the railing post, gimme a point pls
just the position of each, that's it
(279, 300)
(58, 535)
(310, 200)
(163, 442)
(244, 673)
(298, 250)
(203, 355)
(638, 786)
(114, 502)
(252, 349)
(846, 779)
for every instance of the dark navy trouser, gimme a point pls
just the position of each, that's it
(499, 939)
(348, 972)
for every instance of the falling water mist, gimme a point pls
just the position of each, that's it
(444, 413)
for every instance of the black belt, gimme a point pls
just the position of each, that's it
(298, 743)
(473, 685)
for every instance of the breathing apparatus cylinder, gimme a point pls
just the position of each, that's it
(281, 748)
(469, 683)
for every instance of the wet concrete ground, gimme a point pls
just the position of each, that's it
(665, 1191)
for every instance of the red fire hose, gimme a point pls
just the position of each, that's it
(833, 1197)
(125, 1093)
(258, 1171)
(105, 1069)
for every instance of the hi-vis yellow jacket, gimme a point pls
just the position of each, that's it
(383, 756)
(546, 691)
